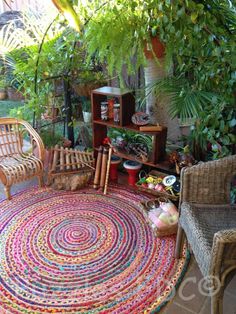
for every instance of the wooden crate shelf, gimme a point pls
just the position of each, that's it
(127, 109)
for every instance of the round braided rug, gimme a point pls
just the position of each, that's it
(83, 252)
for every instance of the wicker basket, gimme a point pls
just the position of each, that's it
(168, 230)
(155, 174)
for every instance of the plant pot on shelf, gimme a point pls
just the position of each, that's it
(87, 116)
(3, 94)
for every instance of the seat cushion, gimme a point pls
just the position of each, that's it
(200, 223)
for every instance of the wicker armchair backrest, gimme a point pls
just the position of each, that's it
(209, 182)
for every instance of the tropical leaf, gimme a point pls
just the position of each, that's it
(9, 40)
(185, 101)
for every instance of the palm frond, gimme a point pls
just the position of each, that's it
(185, 101)
(9, 40)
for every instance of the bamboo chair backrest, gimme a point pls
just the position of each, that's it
(11, 139)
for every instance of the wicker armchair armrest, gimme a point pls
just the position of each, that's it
(225, 236)
(209, 182)
(223, 256)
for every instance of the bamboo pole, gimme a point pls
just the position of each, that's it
(104, 167)
(108, 170)
(98, 168)
(62, 159)
(72, 157)
(77, 160)
(67, 153)
(55, 158)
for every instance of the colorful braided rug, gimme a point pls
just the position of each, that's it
(83, 252)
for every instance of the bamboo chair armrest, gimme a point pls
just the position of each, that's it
(209, 182)
(3, 178)
(35, 138)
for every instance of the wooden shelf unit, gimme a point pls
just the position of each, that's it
(127, 109)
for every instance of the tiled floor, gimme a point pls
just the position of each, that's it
(196, 303)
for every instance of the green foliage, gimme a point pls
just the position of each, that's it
(130, 137)
(233, 195)
(86, 105)
(22, 112)
(50, 65)
(185, 101)
(6, 106)
(199, 38)
(53, 51)
(115, 35)
(50, 138)
(214, 132)
(200, 44)
(3, 83)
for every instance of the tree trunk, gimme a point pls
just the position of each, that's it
(157, 109)
(68, 109)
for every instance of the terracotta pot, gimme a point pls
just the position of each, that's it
(14, 94)
(157, 46)
(52, 113)
(3, 94)
(85, 89)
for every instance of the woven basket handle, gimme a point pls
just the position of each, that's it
(142, 174)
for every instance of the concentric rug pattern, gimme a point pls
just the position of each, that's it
(82, 252)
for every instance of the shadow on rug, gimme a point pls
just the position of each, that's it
(83, 252)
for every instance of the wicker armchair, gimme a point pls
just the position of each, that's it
(208, 220)
(17, 164)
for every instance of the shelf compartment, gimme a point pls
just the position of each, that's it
(131, 126)
(125, 98)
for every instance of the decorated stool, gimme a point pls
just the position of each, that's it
(132, 167)
(115, 161)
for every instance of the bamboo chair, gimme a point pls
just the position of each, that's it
(208, 221)
(17, 165)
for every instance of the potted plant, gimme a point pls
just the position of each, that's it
(86, 109)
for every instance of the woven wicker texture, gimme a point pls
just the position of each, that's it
(17, 165)
(200, 227)
(209, 222)
(208, 183)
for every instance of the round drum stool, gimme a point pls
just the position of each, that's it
(115, 161)
(132, 167)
